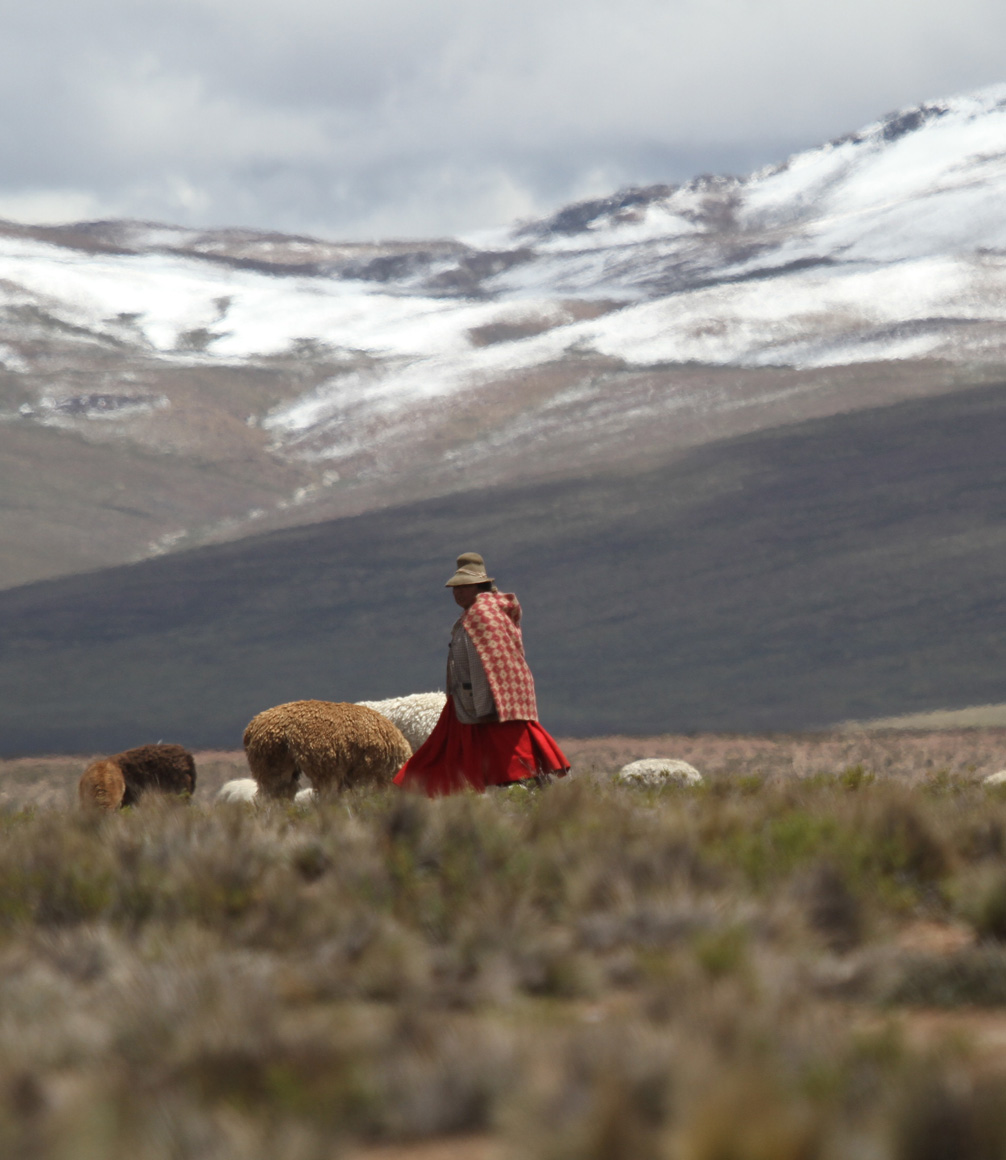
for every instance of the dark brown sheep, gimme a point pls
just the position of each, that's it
(333, 744)
(111, 783)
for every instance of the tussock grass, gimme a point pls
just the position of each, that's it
(588, 971)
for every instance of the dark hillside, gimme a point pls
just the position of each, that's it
(847, 567)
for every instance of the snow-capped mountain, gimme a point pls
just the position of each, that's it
(345, 375)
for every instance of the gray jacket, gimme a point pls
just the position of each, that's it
(467, 683)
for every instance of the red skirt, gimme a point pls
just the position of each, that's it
(456, 757)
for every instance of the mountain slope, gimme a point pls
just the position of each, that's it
(264, 380)
(845, 568)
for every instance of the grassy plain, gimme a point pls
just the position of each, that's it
(801, 959)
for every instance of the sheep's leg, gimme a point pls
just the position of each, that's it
(276, 774)
(316, 773)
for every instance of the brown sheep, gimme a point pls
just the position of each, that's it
(111, 783)
(333, 744)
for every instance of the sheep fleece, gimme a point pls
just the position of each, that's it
(120, 780)
(416, 714)
(332, 744)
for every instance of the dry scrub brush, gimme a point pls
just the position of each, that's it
(588, 971)
(902, 754)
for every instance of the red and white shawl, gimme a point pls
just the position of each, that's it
(493, 624)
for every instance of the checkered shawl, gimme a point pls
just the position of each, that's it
(493, 624)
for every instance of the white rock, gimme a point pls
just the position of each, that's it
(659, 771)
(305, 797)
(995, 778)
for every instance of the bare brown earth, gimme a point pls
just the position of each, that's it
(466, 1148)
(81, 492)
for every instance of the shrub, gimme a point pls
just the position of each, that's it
(974, 976)
(587, 971)
(982, 902)
(833, 910)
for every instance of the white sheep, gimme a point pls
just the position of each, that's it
(245, 789)
(241, 789)
(656, 771)
(414, 715)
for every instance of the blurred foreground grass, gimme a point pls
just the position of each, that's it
(765, 968)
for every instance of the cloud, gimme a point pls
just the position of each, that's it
(433, 116)
(50, 206)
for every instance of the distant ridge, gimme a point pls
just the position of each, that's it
(848, 568)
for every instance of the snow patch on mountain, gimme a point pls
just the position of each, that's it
(173, 302)
(888, 244)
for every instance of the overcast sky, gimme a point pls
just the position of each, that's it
(381, 118)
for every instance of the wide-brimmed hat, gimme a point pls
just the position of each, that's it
(471, 570)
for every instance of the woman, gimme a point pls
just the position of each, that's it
(488, 733)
